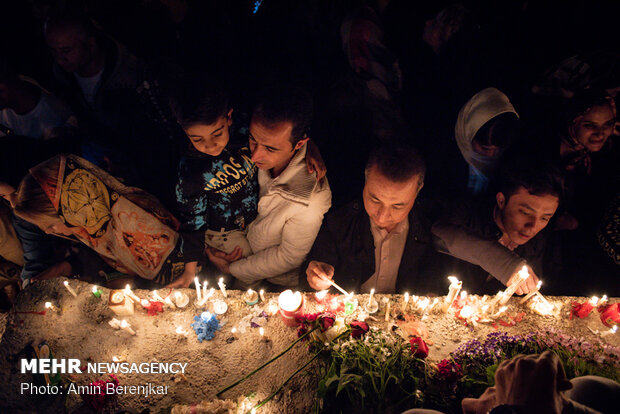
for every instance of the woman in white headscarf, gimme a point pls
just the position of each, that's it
(485, 126)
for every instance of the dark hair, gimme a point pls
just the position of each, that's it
(582, 102)
(398, 162)
(537, 176)
(286, 103)
(198, 101)
(500, 131)
(70, 17)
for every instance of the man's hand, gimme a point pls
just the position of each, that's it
(56, 270)
(534, 382)
(526, 287)
(186, 278)
(314, 161)
(233, 256)
(319, 274)
(222, 264)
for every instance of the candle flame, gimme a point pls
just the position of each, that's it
(372, 291)
(406, 297)
(233, 330)
(65, 283)
(453, 280)
(95, 289)
(116, 359)
(261, 331)
(463, 294)
(614, 329)
(221, 280)
(523, 273)
(180, 329)
(124, 323)
(594, 300)
(48, 305)
(539, 284)
(466, 312)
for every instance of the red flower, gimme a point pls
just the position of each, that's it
(326, 320)
(154, 308)
(419, 349)
(581, 310)
(358, 329)
(610, 314)
(301, 331)
(308, 318)
(449, 371)
(98, 400)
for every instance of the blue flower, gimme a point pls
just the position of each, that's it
(205, 326)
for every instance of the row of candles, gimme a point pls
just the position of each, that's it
(473, 309)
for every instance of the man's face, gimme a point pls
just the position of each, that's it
(523, 215)
(210, 139)
(388, 202)
(271, 145)
(593, 128)
(69, 49)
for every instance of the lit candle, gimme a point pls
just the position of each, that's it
(541, 306)
(510, 290)
(250, 297)
(603, 301)
(115, 323)
(169, 303)
(320, 296)
(594, 300)
(612, 331)
(387, 311)
(120, 304)
(209, 294)
(423, 304)
(405, 301)
(500, 312)
(463, 295)
(222, 286)
(372, 292)
(96, 292)
(204, 288)
(198, 296)
(157, 297)
(118, 358)
(70, 289)
(181, 299)
(261, 331)
(233, 331)
(132, 295)
(432, 305)
(50, 306)
(125, 326)
(181, 331)
(454, 288)
(532, 293)
(466, 312)
(262, 295)
(291, 306)
(220, 307)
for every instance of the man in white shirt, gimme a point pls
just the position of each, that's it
(292, 201)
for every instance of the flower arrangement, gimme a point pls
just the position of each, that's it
(205, 326)
(98, 400)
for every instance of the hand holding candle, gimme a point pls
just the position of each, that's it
(454, 288)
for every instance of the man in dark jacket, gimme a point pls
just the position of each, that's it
(386, 243)
(506, 233)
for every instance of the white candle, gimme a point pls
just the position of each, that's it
(125, 326)
(510, 290)
(406, 301)
(594, 300)
(612, 331)
(169, 303)
(603, 301)
(372, 292)
(262, 294)
(132, 295)
(181, 299)
(532, 293)
(70, 289)
(197, 284)
(157, 297)
(423, 304)
(500, 312)
(222, 286)
(466, 312)
(261, 331)
(220, 307)
(387, 311)
(50, 306)
(432, 306)
(454, 288)
(181, 331)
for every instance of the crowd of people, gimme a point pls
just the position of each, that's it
(330, 148)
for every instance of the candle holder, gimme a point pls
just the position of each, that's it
(250, 297)
(120, 304)
(291, 306)
(181, 299)
(219, 307)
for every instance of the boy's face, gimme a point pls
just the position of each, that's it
(210, 139)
